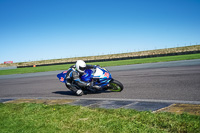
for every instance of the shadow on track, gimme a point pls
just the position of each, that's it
(70, 93)
(65, 93)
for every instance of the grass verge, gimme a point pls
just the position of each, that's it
(184, 49)
(30, 117)
(103, 64)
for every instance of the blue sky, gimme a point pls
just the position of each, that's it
(50, 29)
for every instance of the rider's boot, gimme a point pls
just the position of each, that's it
(79, 92)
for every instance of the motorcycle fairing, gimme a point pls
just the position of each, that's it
(101, 76)
(62, 76)
(87, 76)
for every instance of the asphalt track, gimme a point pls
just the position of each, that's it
(170, 82)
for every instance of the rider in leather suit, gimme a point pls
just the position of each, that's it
(73, 81)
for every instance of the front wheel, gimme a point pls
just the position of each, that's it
(115, 86)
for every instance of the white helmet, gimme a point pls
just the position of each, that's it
(80, 66)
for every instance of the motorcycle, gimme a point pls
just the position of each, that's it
(100, 77)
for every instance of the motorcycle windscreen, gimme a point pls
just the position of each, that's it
(61, 76)
(102, 73)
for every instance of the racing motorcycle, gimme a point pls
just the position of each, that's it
(100, 76)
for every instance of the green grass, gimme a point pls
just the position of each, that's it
(103, 64)
(41, 118)
(110, 56)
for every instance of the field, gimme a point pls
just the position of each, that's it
(103, 64)
(30, 117)
(110, 56)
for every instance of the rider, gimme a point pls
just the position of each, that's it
(73, 75)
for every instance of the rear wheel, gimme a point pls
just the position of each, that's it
(115, 86)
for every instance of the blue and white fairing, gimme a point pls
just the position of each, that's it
(100, 76)
(62, 76)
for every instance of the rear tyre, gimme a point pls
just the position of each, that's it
(116, 86)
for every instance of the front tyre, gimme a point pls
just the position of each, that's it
(115, 86)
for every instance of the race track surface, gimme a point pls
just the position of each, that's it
(167, 81)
